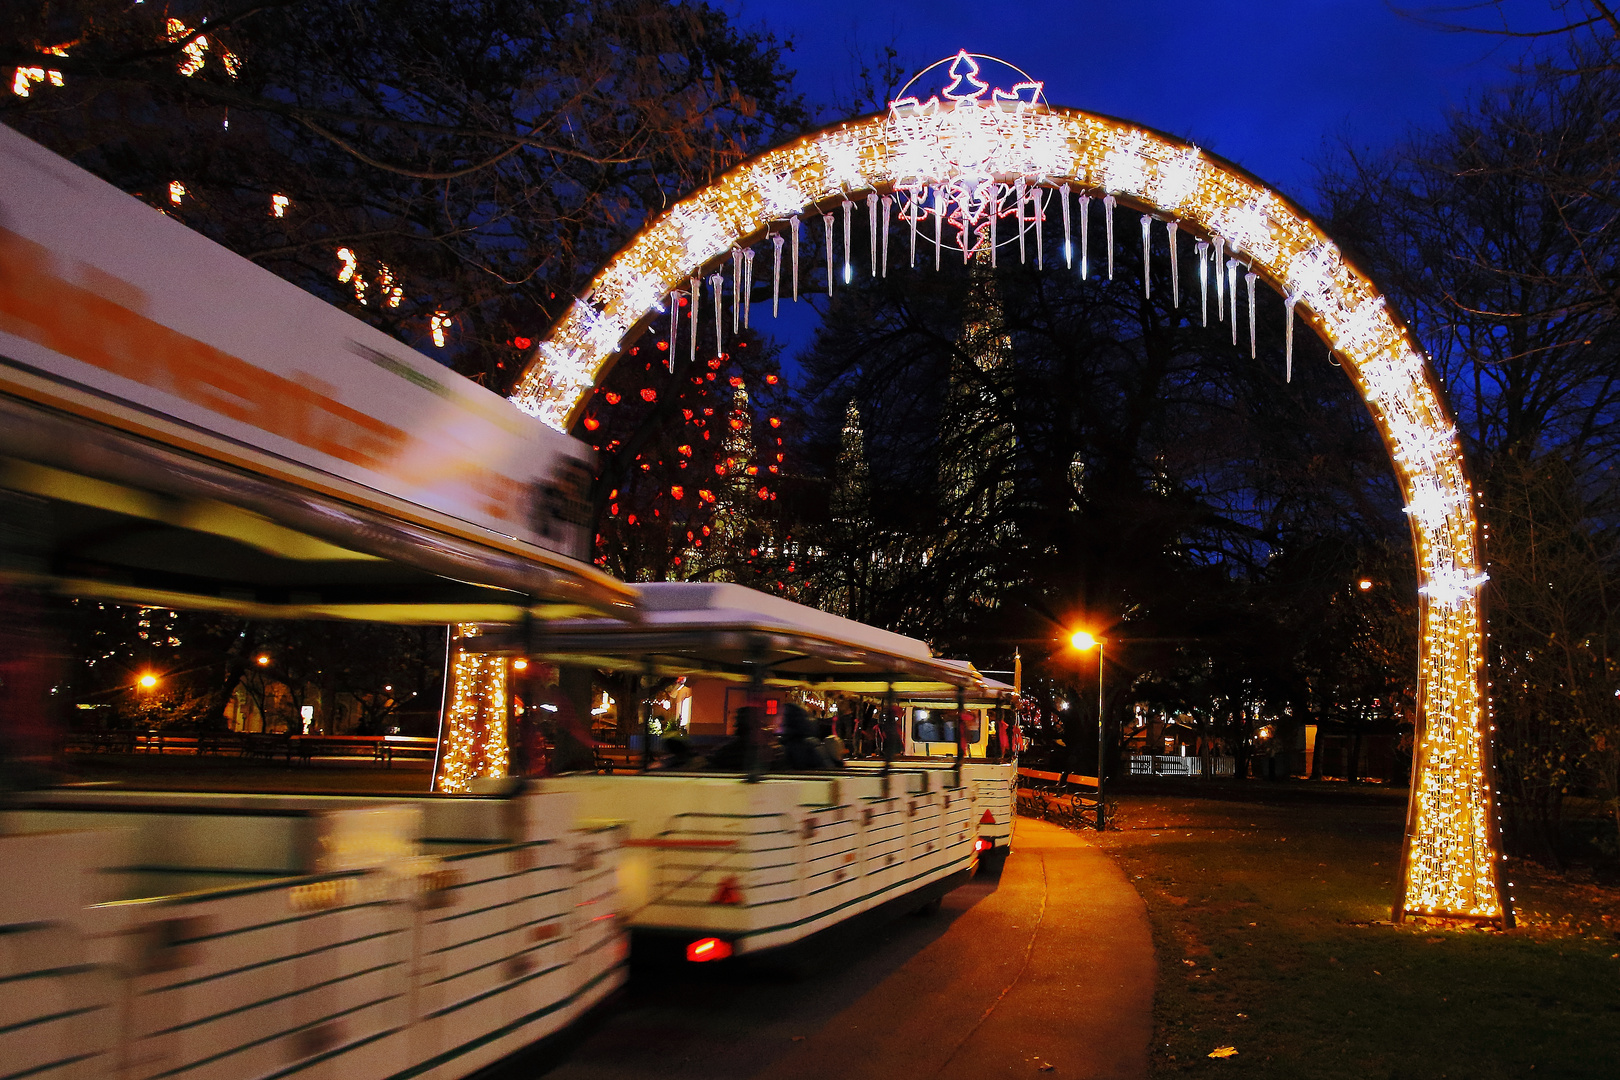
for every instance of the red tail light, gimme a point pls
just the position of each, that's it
(708, 948)
(728, 892)
(987, 819)
(982, 845)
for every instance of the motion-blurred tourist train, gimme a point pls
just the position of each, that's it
(198, 433)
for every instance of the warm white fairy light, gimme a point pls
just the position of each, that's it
(473, 740)
(278, 205)
(177, 192)
(350, 265)
(23, 79)
(439, 324)
(924, 148)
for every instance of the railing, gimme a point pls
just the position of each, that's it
(1172, 765)
(254, 744)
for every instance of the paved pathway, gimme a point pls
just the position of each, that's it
(1051, 964)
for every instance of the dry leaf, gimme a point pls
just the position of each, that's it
(1223, 1052)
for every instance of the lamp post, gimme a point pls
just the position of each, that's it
(1082, 641)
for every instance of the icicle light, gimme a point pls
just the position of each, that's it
(888, 209)
(794, 228)
(1249, 279)
(1108, 231)
(1175, 267)
(827, 223)
(929, 146)
(1202, 250)
(872, 228)
(1068, 243)
(1085, 234)
(1288, 343)
(746, 300)
(776, 272)
(1147, 265)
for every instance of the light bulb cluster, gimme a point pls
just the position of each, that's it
(473, 742)
(989, 145)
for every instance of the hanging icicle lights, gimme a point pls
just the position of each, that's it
(972, 154)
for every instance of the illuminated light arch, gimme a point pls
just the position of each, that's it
(1450, 855)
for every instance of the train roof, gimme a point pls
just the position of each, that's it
(726, 631)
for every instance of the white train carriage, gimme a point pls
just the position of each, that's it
(740, 862)
(149, 936)
(928, 731)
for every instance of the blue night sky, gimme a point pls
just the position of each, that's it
(1268, 84)
(1264, 83)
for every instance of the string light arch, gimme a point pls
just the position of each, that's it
(950, 170)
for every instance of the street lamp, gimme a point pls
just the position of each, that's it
(1083, 641)
(147, 681)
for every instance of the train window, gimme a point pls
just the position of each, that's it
(939, 725)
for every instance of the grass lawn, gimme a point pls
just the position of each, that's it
(1270, 908)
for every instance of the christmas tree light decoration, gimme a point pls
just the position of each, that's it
(474, 744)
(1068, 243)
(1249, 279)
(1147, 264)
(1108, 221)
(776, 272)
(1202, 250)
(177, 192)
(1085, 234)
(1288, 342)
(439, 324)
(278, 205)
(827, 226)
(392, 293)
(746, 302)
(939, 157)
(1175, 266)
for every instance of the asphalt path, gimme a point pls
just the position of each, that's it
(1043, 967)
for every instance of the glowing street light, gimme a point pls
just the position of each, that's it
(1083, 641)
(263, 660)
(147, 681)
